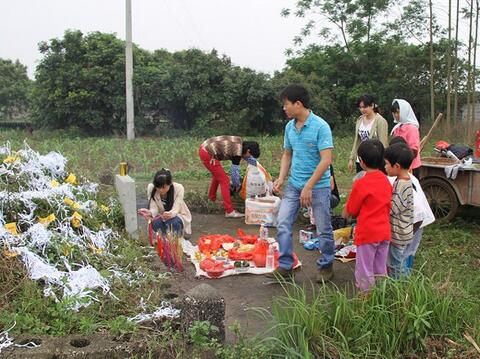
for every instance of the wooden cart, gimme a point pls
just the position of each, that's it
(445, 195)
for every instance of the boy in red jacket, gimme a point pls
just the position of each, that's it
(370, 202)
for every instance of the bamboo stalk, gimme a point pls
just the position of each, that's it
(429, 134)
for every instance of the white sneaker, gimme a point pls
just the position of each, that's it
(234, 214)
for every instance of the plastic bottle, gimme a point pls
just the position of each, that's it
(270, 261)
(263, 232)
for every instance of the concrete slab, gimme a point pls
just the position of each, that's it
(125, 186)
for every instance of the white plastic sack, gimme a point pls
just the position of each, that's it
(262, 210)
(256, 182)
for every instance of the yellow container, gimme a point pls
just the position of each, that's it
(123, 168)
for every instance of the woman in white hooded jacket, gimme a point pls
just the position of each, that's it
(407, 127)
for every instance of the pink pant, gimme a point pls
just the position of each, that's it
(219, 177)
(371, 261)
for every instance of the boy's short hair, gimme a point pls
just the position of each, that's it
(294, 93)
(253, 146)
(399, 153)
(397, 139)
(371, 152)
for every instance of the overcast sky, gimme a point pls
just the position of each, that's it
(251, 32)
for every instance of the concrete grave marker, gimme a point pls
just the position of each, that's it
(125, 186)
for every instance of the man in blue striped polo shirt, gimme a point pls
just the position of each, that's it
(307, 154)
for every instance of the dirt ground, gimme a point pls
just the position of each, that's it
(247, 291)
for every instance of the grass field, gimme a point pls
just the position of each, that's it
(92, 156)
(449, 253)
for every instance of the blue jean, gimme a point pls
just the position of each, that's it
(411, 250)
(174, 224)
(396, 260)
(287, 215)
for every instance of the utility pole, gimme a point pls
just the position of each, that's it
(449, 67)
(129, 71)
(432, 88)
(455, 67)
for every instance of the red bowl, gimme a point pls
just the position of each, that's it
(215, 273)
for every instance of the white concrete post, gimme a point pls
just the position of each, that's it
(129, 72)
(125, 186)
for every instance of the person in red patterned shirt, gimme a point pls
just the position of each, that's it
(370, 202)
(227, 148)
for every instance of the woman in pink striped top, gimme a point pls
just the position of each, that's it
(407, 127)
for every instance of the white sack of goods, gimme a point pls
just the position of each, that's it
(262, 210)
(257, 182)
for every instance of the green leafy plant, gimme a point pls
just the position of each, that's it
(120, 326)
(200, 332)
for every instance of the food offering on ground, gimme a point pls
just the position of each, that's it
(219, 255)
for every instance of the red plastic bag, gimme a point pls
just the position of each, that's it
(246, 238)
(260, 256)
(212, 242)
(260, 253)
(208, 264)
(235, 255)
(442, 145)
(261, 247)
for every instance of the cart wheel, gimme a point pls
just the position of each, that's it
(441, 197)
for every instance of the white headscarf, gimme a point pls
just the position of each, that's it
(406, 115)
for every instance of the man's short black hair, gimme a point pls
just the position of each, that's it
(294, 93)
(253, 146)
(371, 152)
(399, 153)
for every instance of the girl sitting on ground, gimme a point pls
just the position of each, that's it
(166, 207)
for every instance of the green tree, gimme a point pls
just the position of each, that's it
(194, 89)
(389, 69)
(80, 82)
(341, 21)
(14, 88)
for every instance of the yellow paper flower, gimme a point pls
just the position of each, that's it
(54, 183)
(68, 201)
(11, 228)
(11, 159)
(9, 254)
(95, 249)
(72, 179)
(105, 208)
(71, 203)
(66, 250)
(76, 220)
(45, 221)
